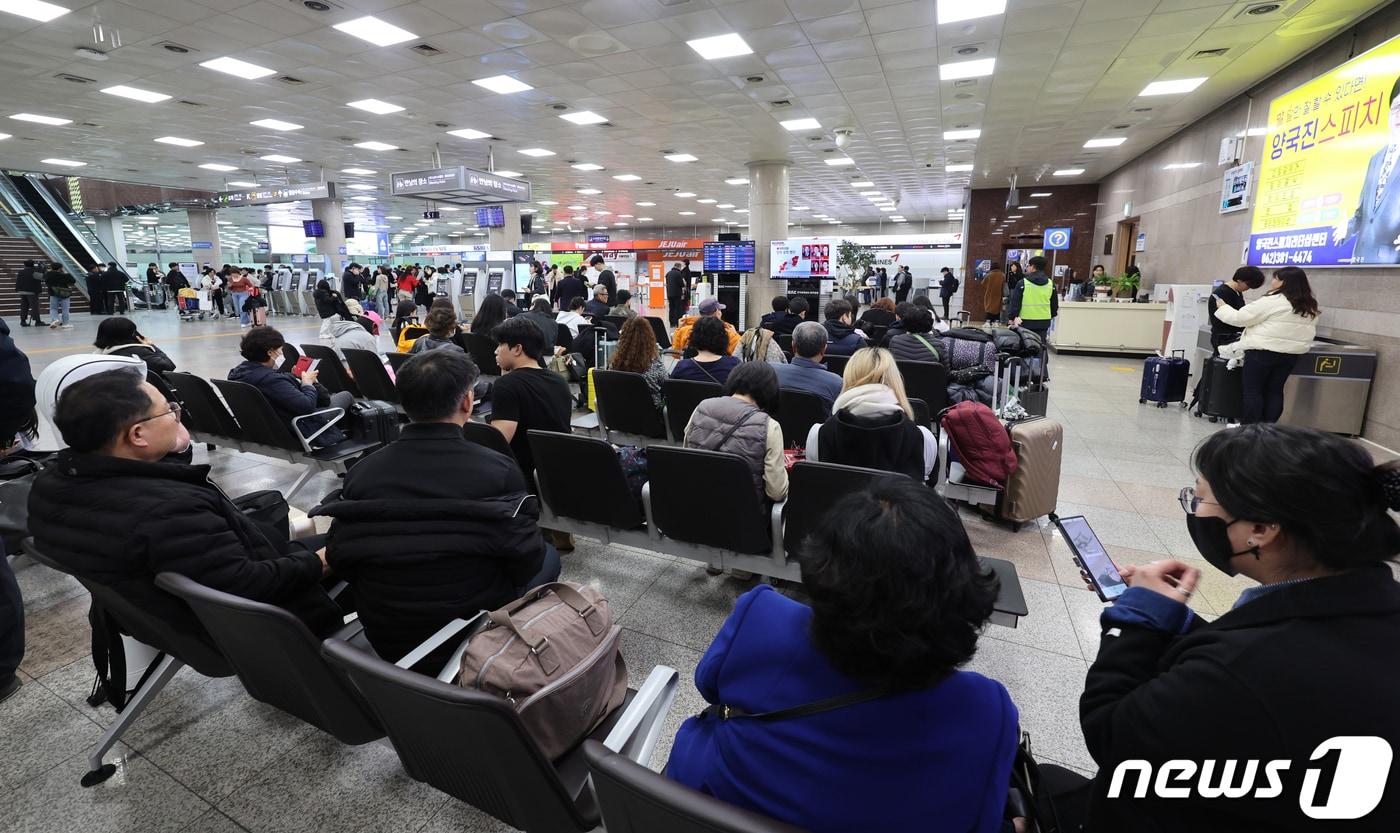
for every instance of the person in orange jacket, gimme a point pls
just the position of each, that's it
(708, 307)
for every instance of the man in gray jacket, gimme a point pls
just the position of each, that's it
(806, 372)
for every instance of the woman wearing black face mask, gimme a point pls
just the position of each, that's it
(1309, 654)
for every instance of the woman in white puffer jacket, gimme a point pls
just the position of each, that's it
(1277, 329)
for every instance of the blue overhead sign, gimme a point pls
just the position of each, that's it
(201, 244)
(1056, 239)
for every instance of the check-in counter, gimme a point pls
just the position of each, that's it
(1109, 327)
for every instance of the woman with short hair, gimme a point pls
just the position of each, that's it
(741, 422)
(896, 738)
(118, 336)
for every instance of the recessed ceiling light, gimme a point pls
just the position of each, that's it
(1175, 166)
(1069, 172)
(548, 202)
(887, 208)
(577, 207)
(135, 93)
(579, 217)
(588, 192)
(587, 166)
(362, 197)
(392, 217)
(49, 120)
(360, 186)
(741, 211)
(376, 146)
(1041, 194)
(176, 140)
(242, 69)
(33, 9)
(215, 166)
(863, 184)
(685, 194)
(801, 124)
(278, 157)
(838, 161)
(1111, 142)
(682, 157)
(508, 174)
(628, 216)
(357, 171)
(725, 205)
(951, 11)
(967, 69)
(1181, 85)
(720, 46)
(584, 117)
(603, 213)
(646, 204)
(536, 152)
(707, 202)
(870, 193)
(957, 135)
(503, 84)
(794, 208)
(1026, 207)
(375, 106)
(376, 31)
(468, 133)
(957, 169)
(242, 184)
(626, 177)
(644, 219)
(738, 180)
(62, 163)
(686, 213)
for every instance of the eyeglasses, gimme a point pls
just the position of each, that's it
(1190, 503)
(174, 409)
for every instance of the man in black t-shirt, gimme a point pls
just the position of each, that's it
(527, 395)
(1231, 294)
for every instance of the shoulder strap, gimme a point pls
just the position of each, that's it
(724, 712)
(705, 371)
(729, 432)
(925, 343)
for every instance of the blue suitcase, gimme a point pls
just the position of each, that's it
(1164, 379)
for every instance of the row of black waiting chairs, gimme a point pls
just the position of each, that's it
(465, 743)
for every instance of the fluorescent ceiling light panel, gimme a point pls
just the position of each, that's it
(741, 211)
(375, 106)
(1026, 207)
(468, 133)
(376, 31)
(685, 194)
(587, 166)
(967, 69)
(1177, 87)
(577, 207)
(720, 46)
(799, 208)
(1041, 194)
(1069, 172)
(243, 184)
(62, 163)
(362, 197)
(357, 171)
(646, 204)
(548, 202)
(626, 177)
(53, 121)
(957, 169)
(871, 194)
(276, 124)
(840, 161)
(503, 84)
(360, 186)
(801, 124)
(951, 11)
(682, 157)
(738, 180)
(1177, 166)
(536, 152)
(277, 157)
(686, 213)
(957, 135)
(376, 146)
(707, 202)
(725, 205)
(890, 208)
(644, 219)
(4, 136)
(241, 69)
(215, 166)
(1111, 142)
(584, 117)
(508, 174)
(176, 140)
(588, 192)
(135, 93)
(33, 9)
(863, 184)
(603, 213)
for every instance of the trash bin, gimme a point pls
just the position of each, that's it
(1330, 387)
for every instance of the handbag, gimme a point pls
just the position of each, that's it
(268, 509)
(634, 468)
(17, 476)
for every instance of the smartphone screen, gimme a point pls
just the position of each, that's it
(303, 364)
(1092, 557)
(317, 363)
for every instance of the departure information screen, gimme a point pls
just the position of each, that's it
(491, 217)
(731, 256)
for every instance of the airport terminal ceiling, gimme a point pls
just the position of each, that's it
(612, 114)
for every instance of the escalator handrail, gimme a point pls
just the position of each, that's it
(61, 214)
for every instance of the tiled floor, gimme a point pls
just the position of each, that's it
(208, 758)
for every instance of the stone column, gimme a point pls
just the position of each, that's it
(109, 230)
(332, 245)
(506, 238)
(204, 229)
(768, 221)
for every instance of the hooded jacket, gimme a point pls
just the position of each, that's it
(353, 334)
(868, 428)
(155, 359)
(842, 339)
(1270, 324)
(430, 528)
(288, 397)
(81, 512)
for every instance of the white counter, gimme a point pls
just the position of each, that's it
(1106, 327)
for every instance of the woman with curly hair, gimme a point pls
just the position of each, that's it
(890, 734)
(636, 352)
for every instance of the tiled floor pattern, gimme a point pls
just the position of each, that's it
(207, 758)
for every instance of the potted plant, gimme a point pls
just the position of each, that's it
(854, 259)
(1126, 286)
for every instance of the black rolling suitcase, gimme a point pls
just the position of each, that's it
(373, 419)
(1224, 399)
(1164, 379)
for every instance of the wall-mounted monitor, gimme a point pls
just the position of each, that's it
(810, 258)
(729, 256)
(313, 228)
(349, 230)
(492, 216)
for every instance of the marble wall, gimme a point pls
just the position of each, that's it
(1190, 241)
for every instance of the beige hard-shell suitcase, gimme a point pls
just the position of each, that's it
(1034, 488)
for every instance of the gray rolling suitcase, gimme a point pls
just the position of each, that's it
(1033, 489)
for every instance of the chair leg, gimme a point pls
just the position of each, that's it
(301, 481)
(98, 771)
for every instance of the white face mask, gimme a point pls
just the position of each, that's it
(277, 357)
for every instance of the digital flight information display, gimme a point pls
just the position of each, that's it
(731, 256)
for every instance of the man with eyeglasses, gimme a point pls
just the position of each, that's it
(111, 510)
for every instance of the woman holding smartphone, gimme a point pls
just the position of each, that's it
(1277, 329)
(1309, 654)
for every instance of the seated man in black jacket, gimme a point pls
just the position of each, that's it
(110, 511)
(433, 527)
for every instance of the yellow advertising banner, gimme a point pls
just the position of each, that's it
(1329, 182)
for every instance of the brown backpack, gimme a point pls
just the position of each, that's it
(753, 346)
(554, 655)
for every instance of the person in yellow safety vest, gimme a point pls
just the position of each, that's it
(1034, 303)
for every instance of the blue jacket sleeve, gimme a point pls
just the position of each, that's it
(1148, 609)
(289, 396)
(707, 672)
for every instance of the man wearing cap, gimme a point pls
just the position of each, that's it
(710, 308)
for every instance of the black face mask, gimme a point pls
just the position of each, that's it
(1211, 536)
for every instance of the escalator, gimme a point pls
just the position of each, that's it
(42, 205)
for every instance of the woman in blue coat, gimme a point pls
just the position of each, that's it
(900, 740)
